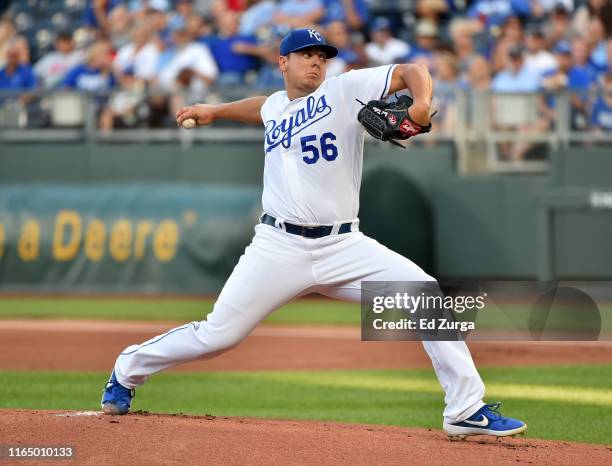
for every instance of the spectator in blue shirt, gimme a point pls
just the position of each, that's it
(518, 111)
(96, 75)
(517, 76)
(599, 44)
(568, 76)
(16, 76)
(354, 13)
(601, 114)
(580, 54)
(227, 51)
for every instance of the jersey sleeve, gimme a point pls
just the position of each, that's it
(366, 84)
(270, 101)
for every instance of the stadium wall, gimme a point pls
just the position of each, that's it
(161, 218)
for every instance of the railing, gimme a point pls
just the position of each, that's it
(491, 132)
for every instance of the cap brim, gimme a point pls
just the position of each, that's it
(329, 50)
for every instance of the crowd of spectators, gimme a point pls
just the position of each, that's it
(146, 58)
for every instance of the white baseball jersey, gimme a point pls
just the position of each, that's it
(314, 148)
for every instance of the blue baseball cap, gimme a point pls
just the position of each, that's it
(300, 39)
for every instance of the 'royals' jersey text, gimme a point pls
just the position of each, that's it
(314, 149)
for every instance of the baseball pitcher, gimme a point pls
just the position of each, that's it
(308, 240)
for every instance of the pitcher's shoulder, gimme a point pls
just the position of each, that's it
(332, 86)
(275, 98)
(273, 104)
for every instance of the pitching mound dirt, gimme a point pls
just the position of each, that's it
(155, 439)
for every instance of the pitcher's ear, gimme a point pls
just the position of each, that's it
(282, 62)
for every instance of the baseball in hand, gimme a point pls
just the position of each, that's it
(189, 123)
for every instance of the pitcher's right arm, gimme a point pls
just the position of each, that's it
(245, 111)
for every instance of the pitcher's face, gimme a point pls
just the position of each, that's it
(304, 70)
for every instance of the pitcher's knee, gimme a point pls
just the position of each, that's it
(229, 341)
(216, 339)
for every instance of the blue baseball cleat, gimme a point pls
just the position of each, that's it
(116, 399)
(486, 421)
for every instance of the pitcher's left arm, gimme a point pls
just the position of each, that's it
(417, 80)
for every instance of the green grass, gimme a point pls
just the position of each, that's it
(309, 311)
(563, 402)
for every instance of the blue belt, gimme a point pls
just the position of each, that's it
(318, 231)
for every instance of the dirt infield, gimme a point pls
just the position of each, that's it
(152, 439)
(93, 345)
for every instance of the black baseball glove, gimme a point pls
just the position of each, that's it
(390, 121)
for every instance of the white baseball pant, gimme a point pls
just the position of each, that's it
(278, 266)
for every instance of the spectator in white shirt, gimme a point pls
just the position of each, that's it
(537, 56)
(384, 49)
(186, 71)
(187, 56)
(53, 66)
(140, 57)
